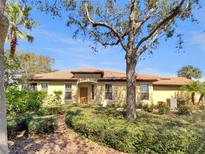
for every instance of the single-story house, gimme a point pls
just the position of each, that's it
(90, 85)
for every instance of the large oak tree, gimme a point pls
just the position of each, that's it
(135, 25)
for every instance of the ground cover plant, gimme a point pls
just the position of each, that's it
(150, 133)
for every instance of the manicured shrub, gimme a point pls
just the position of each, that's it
(163, 107)
(54, 99)
(11, 128)
(148, 107)
(50, 110)
(149, 133)
(18, 123)
(184, 109)
(41, 125)
(22, 101)
(140, 105)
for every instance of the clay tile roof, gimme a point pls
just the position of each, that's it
(59, 75)
(109, 75)
(172, 81)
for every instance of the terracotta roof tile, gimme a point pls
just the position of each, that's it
(110, 75)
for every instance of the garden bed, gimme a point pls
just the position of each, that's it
(150, 133)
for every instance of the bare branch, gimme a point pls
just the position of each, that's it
(149, 44)
(132, 22)
(162, 23)
(106, 25)
(145, 19)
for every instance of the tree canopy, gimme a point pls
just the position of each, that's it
(135, 25)
(25, 65)
(19, 19)
(190, 72)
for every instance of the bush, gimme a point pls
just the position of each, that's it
(163, 107)
(50, 110)
(54, 99)
(17, 123)
(41, 125)
(140, 105)
(184, 109)
(22, 101)
(11, 128)
(148, 107)
(148, 134)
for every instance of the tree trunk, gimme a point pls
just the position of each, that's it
(193, 98)
(201, 98)
(13, 42)
(131, 88)
(3, 125)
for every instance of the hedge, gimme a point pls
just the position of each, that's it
(148, 134)
(31, 123)
(41, 125)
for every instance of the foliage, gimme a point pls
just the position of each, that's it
(19, 19)
(22, 101)
(163, 107)
(18, 123)
(25, 65)
(190, 72)
(30, 122)
(184, 109)
(194, 87)
(148, 134)
(146, 107)
(137, 26)
(11, 70)
(41, 125)
(54, 99)
(11, 128)
(49, 110)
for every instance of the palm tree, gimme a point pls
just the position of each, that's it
(194, 87)
(19, 18)
(202, 92)
(189, 72)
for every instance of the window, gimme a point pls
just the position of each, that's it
(33, 86)
(68, 91)
(44, 86)
(144, 92)
(93, 91)
(108, 91)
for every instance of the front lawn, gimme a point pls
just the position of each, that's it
(150, 133)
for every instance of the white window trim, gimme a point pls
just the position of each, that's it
(71, 91)
(43, 83)
(109, 100)
(145, 83)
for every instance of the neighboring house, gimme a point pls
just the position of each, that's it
(89, 86)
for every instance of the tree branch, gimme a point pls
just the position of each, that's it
(146, 46)
(145, 19)
(162, 23)
(106, 25)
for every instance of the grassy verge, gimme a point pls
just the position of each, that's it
(150, 133)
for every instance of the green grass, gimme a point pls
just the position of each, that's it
(149, 133)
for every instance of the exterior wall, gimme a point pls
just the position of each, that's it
(162, 93)
(118, 93)
(60, 86)
(156, 93)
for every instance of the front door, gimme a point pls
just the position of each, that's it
(83, 95)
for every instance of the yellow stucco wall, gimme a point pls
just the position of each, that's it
(156, 93)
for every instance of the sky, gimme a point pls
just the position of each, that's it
(54, 39)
